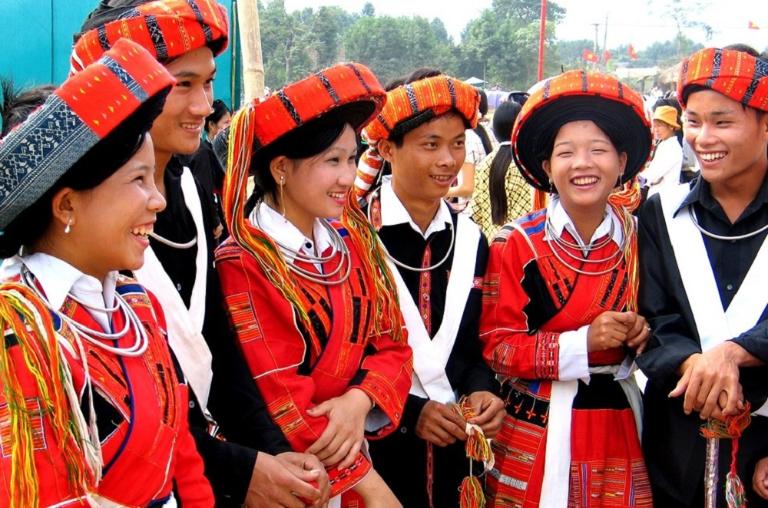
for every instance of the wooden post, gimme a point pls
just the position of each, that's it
(250, 49)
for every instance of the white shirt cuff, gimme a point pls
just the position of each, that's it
(573, 358)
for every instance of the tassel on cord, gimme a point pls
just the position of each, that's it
(25, 317)
(478, 449)
(732, 428)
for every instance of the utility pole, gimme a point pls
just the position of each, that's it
(250, 35)
(605, 38)
(597, 47)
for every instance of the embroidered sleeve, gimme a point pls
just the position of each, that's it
(510, 347)
(385, 375)
(278, 358)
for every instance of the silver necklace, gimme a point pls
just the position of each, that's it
(734, 238)
(409, 267)
(96, 337)
(172, 244)
(337, 246)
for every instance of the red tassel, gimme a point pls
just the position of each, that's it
(471, 493)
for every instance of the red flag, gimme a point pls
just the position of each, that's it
(606, 56)
(753, 26)
(632, 52)
(589, 56)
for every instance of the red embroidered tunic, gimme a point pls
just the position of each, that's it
(141, 411)
(530, 298)
(294, 374)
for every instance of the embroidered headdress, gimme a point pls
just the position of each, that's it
(108, 97)
(347, 92)
(735, 74)
(166, 28)
(409, 106)
(577, 95)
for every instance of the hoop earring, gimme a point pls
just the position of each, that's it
(68, 227)
(282, 202)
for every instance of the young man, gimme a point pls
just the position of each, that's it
(186, 35)
(704, 263)
(438, 259)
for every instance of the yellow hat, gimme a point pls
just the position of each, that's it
(668, 115)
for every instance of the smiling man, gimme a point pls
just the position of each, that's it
(185, 36)
(438, 259)
(704, 265)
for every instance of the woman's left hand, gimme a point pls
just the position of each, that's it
(639, 333)
(489, 411)
(342, 438)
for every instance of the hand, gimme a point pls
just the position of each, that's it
(283, 480)
(375, 492)
(710, 382)
(639, 332)
(343, 436)
(489, 411)
(440, 424)
(608, 330)
(760, 478)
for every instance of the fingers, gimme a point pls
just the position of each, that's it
(494, 426)
(323, 442)
(351, 455)
(324, 408)
(488, 410)
(682, 385)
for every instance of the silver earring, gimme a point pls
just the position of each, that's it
(68, 227)
(282, 202)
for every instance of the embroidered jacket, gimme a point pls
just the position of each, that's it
(141, 413)
(294, 374)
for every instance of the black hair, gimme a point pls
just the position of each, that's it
(17, 105)
(98, 164)
(744, 48)
(483, 107)
(518, 97)
(306, 141)
(503, 121)
(479, 129)
(219, 110)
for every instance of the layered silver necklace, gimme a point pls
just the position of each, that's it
(558, 244)
(338, 246)
(99, 338)
(172, 244)
(734, 238)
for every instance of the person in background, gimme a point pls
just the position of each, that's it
(664, 168)
(559, 325)
(93, 406)
(501, 193)
(303, 277)
(254, 464)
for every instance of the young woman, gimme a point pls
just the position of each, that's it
(312, 301)
(93, 408)
(185, 36)
(558, 319)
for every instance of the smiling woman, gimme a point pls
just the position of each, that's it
(93, 407)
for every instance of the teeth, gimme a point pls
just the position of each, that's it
(712, 156)
(142, 231)
(443, 178)
(585, 180)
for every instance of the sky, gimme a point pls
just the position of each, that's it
(636, 22)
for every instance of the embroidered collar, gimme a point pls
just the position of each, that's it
(393, 212)
(283, 231)
(58, 278)
(560, 220)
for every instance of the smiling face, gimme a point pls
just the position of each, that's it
(177, 130)
(662, 130)
(584, 166)
(316, 187)
(729, 140)
(110, 222)
(428, 160)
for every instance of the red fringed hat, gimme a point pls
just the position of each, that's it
(572, 96)
(166, 28)
(408, 106)
(84, 110)
(735, 74)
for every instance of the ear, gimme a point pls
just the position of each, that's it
(64, 205)
(547, 168)
(623, 157)
(386, 149)
(278, 167)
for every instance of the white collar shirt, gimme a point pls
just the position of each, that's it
(393, 212)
